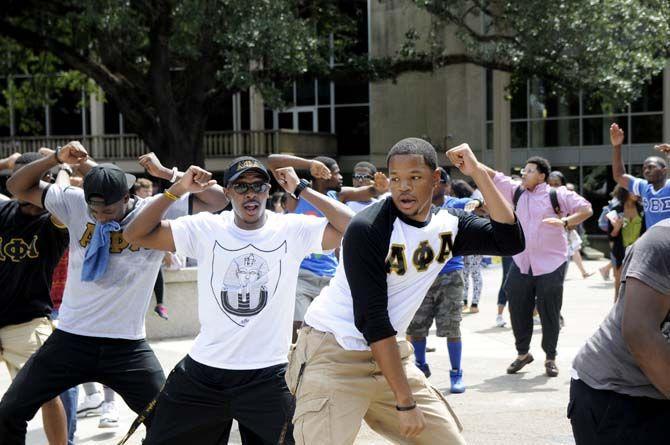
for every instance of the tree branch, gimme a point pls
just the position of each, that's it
(113, 85)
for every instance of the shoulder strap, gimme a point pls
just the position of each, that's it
(517, 194)
(553, 195)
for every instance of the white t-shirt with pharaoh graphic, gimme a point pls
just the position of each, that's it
(246, 284)
(113, 306)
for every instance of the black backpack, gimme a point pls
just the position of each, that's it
(552, 195)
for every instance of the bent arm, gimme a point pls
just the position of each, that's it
(498, 207)
(148, 229)
(212, 199)
(338, 215)
(642, 317)
(281, 161)
(26, 184)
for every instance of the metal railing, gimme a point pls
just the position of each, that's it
(217, 144)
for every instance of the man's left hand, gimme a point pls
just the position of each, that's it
(463, 158)
(195, 180)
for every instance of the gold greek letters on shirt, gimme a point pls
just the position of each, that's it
(117, 243)
(422, 257)
(17, 249)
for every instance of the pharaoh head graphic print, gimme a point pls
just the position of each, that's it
(244, 280)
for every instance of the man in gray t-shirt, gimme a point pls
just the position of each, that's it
(101, 333)
(620, 389)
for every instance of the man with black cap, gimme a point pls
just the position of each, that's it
(100, 336)
(248, 268)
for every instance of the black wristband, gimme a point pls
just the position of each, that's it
(406, 408)
(56, 151)
(302, 185)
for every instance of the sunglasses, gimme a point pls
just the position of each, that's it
(256, 187)
(363, 177)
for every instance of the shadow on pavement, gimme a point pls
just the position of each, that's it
(512, 383)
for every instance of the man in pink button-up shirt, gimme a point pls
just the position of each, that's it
(538, 272)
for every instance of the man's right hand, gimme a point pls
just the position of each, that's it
(73, 153)
(154, 166)
(195, 180)
(318, 170)
(616, 135)
(381, 183)
(411, 422)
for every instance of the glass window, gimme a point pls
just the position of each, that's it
(555, 133)
(544, 102)
(518, 105)
(324, 120)
(245, 111)
(519, 134)
(351, 92)
(352, 126)
(596, 130)
(285, 120)
(287, 95)
(591, 105)
(111, 117)
(306, 121)
(652, 96)
(269, 119)
(221, 118)
(324, 92)
(305, 92)
(647, 129)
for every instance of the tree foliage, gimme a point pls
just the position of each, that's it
(167, 64)
(608, 48)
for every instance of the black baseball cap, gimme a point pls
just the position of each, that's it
(108, 183)
(242, 165)
(444, 176)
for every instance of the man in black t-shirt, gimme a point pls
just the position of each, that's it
(31, 244)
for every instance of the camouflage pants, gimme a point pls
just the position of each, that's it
(443, 303)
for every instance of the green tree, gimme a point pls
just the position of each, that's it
(167, 63)
(608, 48)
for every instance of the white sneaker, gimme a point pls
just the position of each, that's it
(91, 405)
(110, 416)
(536, 320)
(500, 321)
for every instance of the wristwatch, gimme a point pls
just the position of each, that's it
(302, 185)
(66, 168)
(565, 222)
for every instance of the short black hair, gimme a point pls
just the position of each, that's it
(27, 158)
(327, 161)
(558, 175)
(461, 189)
(657, 159)
(414, 146)
(543, 166)
(368, 165)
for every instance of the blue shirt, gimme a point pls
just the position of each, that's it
(324, 264)
(656, 202)
(456, 263)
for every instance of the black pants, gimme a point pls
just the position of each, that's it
(159, 287)
(199, 401)
(609, 418)
(506, 264)
(129, 367)
(524, 292)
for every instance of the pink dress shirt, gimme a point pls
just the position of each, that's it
(546, 245)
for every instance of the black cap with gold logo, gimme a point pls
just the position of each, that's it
(242, 165)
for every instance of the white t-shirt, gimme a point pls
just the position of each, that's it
(246, 284)
(115, 305)
(357, 206)
(390, 262)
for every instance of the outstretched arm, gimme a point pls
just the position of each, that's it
(148, 228)
(212, 199)
(337, 214)
(618, 167)
(26, 184)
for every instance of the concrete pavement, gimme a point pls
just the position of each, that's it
(526, 408)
